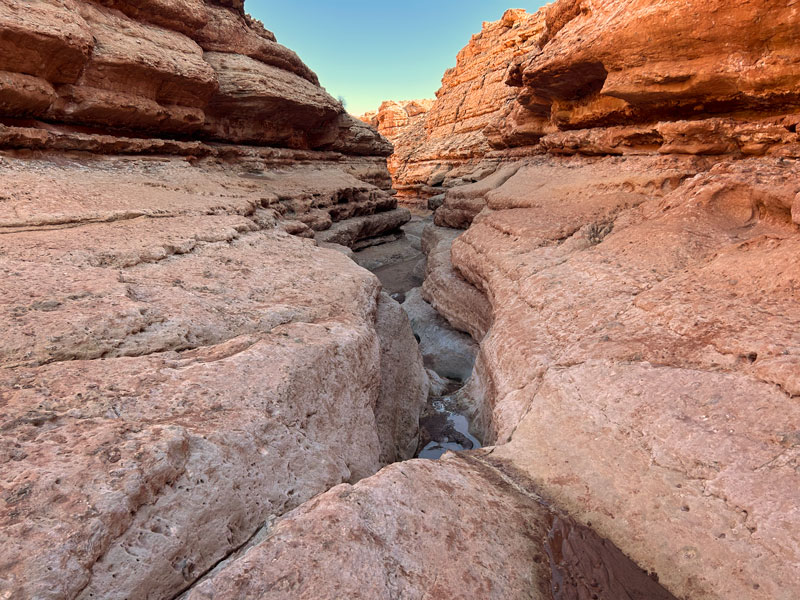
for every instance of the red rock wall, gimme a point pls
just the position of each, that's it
(163, 68)
(636, 77)
(641, 366)
(624, 62)
(444, 147)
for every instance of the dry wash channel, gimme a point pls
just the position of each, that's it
(202, 396)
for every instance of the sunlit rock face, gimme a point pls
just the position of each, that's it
(629, 268)
(440, 143)
(641, 365)
(624, 62)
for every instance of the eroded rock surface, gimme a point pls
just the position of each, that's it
(164, 68)
(657, 268)
(635, 257)
(171, 376)
(176, 370)
(179, 375)
(364, 541)
(440, 144)
(448, 353)
(622, 61)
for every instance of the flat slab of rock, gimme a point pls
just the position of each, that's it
(457, 528)
(709, 459)
(176, 371)
(461, 303)
(448, 352)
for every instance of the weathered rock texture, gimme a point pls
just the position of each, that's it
(625, 61)
(175, 368)
(166, 67)
(178, 375)
(483, 535)
(641, 362)
(444, 145)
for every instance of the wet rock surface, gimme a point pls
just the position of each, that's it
(398, 263)
(586, 566)
(448, 355)
(444, 428)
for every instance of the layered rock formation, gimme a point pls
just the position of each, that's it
(163, 67)
(649, 65)
(444, 146)
(641, 365)
(180, 375)
(176, 370)
(393, 118)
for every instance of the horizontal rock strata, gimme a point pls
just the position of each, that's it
(634, 246)
(176, 370)
(641, 365)
(442, 144)
(163, 68)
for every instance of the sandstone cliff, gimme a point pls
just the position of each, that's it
(161, 67)
(444, 146)
(176, 370)
(630, 271)
(640, 363)
(194, 401)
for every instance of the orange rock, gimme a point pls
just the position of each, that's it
(614, 62)
(445, 145)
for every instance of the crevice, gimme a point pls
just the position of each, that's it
(259, 534)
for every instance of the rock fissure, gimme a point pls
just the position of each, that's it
(193, 350)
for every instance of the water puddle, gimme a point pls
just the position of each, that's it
(443, 428)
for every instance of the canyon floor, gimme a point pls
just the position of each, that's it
(539, 342)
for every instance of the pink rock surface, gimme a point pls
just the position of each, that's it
(667, 286)
(175, 371)
(413, 529)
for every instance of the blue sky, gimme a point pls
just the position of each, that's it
(368, 51)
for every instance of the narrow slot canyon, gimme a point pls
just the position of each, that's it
(534, 338)
(448, 354)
